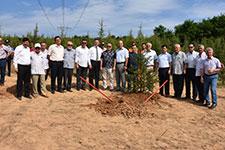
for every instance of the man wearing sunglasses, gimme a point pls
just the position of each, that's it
(82, 62)
(68, 64)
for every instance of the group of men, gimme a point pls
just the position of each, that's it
(199, 69)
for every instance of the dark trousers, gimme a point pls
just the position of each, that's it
(94, 73)
(56, 72)
(190, 79)
(9, 60)
(67, 78)
(47, 73)
(200, 88)
(178, 85)
(23, 80)
(163, 76)
(2, 70)
(81, 72)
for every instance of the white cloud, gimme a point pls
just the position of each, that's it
(119, 16)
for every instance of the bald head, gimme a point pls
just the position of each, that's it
(120, 44)
(177, 48)
(148, 46)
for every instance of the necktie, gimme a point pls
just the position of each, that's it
(96, 53)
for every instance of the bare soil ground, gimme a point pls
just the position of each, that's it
(63, 121)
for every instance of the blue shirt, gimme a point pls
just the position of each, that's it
(122, 55)
(69, 58)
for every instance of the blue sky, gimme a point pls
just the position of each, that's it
(120, 16)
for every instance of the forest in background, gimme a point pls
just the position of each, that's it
(209, 32)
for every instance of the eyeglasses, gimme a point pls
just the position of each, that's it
(69, 45)
(191, 47)
(84, 43)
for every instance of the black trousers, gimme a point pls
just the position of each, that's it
(178, 85)
(200, 88)
(81, 72)
(163, 76)
(67, 78)
(9, 60)
(23, 80)
(94, 73)
(56, 72)
(190, 79)
(2, 70)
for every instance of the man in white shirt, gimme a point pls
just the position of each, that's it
(4, 53)
(56, 54)
(95, 56)
(82, 62)
(39, 65)
(22, 66)
(190, 72)
(45, 51)
(151, 56)
(9, 58)
(198, 63)
(164, 64)
(122, 55)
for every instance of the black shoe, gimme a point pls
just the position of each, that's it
(78, 89)
(19, 98)
(52, 91)
(213, 106)
(60, 91)
(83, 88)
(69, 90)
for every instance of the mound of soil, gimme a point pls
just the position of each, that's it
(127, 105)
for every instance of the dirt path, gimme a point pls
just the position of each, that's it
(61, 122)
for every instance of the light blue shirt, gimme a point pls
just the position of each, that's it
(122, 55)
(212, 63)
(69, 58)
(164, 60)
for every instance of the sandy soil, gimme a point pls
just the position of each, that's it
(62, 122)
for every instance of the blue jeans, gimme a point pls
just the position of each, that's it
(210, 82)
(2, 70)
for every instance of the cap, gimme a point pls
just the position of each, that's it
(37, 45)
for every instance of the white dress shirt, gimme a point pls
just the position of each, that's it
(21, 56)
(39, 63)
(96, 53)
(122, 55)
(82, 56)
(151, 56)
(190, 61)
(4, 51)
(56, 52)
(164, 60)
(198, 63)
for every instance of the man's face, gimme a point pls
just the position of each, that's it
(143, 46)
(164, 49)
(37, 49)
(210, 53)
(69, 45)
(148, 46)
(43, 46)
(120, 44)
(200, 49)
(96, 42)
(83, 44)
(58, 41)
(109, 47)
(177, 48)
(26, 44)
(191, 48)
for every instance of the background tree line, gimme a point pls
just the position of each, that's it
(210, 32)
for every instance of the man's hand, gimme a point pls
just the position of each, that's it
(114, 68)
(90, 66)
(101, 68)
(202, 80)
(125, 68)
(185, 71)
(169, 72)
(77, 66)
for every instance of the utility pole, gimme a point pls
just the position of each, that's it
(63, 29)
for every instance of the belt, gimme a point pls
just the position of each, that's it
(56, 60)
(120, 63)
(3, 59)
(211, 74)
(164, 68)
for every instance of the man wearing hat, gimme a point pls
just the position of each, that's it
(39, 64)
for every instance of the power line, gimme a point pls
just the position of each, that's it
(81, 15)
(46, 15)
